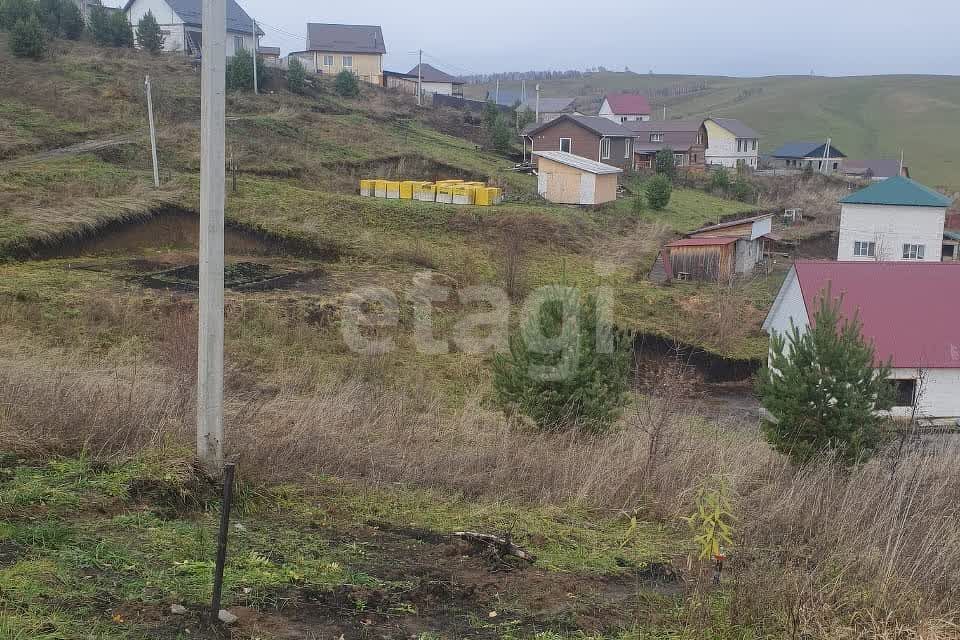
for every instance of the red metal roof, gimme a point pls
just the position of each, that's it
(628, 104)
(701, 242)
(910, 310)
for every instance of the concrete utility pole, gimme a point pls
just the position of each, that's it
(523, 91)
(256, 48)
(153, 134)
(420, 79)
(537, 119)
(824, 163)
(498, 91)
(212, 174)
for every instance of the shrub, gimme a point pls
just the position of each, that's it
(296, 76)
(501, 136)
(121, 31)
(99, 26)
(27, 38)
(658, 190)
(719, 180)
(565, 369)
(71, 21)
(346, 84)
(824, 390)
(742, 189)
(14, 11)
(149, 35)
(664, 164)
(49, 13)
(240, 71)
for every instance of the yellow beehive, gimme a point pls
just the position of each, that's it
(425, 192)
(463, 194)
(475, 184)
(367, 187)
(484, 196)
(445, 192)
(380, 188)
(393, 189)
(406, 189)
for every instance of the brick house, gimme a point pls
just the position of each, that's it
(589, 137)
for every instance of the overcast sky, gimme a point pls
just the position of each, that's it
(732, 37)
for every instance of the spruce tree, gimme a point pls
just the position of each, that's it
(100, 29)
(71, 20)
(27, 38)
(565, 369)
(240, 71)
(658, 191)
(296, 75)
(14, 11)
(664, 163)
(824, 388)
(149, 35)
(346, 84)
(121, 31)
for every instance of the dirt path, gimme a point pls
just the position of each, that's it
(72, 150)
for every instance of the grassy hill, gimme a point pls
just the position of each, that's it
(867, 117)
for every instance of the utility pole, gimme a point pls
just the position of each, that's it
(826, 158)
(498, 91)
(523, 91)
(664, 113)
(153, 134)
(420, 79)
(537, 120)
(212, 175)
(256, 48)
(900, 173)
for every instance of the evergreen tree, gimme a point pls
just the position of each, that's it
(346, 84)
(149, 35)
(296, 75)
(501, 136)
(100, 29)
(824, 389)
(27, 38)
(71, 20)
(49, 13)
(742, 190)
(664, 163)
(13, 11)
(121, 31)
(240, 71)
(720, 179)
(565, 369)
(658, 191)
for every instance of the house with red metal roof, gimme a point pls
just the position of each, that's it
(910, 312)
(625, 107)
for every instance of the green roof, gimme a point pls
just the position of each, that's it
(898, 191)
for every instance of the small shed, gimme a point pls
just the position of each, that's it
(715, 253)
(566, 178)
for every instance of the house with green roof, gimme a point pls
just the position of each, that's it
(898, 219)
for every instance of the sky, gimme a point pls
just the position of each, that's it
(732, 37)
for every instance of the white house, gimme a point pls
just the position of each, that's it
(625, 107)
(909, 311)
(432, 80)
(731, 143)
(182, 25)
(896, 219)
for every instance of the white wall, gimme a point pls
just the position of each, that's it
(169, 21)
(939, 393)
(722, 149)
(788, 306)
(245, 38)
(607, 112)
(443, 88)
(891, 227)
(749, 253)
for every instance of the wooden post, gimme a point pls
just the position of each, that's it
(153, 134)
(222, 535)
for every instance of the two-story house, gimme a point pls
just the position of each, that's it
(590, 137)
(732, 143)
(687, 139)
(897, 219)
(332, 48)
(182, 26)
(625, 107)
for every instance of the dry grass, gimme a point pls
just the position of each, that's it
(821, 552)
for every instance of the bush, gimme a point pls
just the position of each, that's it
(719, 180)
(99, 26)
(14, 11)
(346, 84)
(565, 370)
(149, 35)
(658, 190)
(121, 31)
(501, 136)
(742, 189)
(824, 390)
(27, 38)
(71, 21)
(296, 75)
(664, 164)
(240, 71)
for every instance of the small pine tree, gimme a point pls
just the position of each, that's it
(720, 180)
(149, 35)
(824, 389)
(121, 31)
(664, 163)
(13, 11)
(27, 38)
(346, 84)
(71, 21)
(658, 190)
(742, 190)
(49, 13)
(240, 71)
(100, 29)
(501, 136)
(565, 369)
(296, 75)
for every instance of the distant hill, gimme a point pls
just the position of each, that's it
(867, 116)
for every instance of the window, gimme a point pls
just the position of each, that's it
(623, 118)
(864, 249)
(347, 62)
(566, 144)
(238, 43)
(627, 147)
(328, 61)
(678, 159)
(913, 251)
(739, 145)
(699, 137)
(605, 148)
(754, 145)
(656, 137)
(948, 252)
(905, 392)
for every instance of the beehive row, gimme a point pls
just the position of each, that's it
(446, 191)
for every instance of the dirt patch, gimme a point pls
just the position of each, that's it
(239, 276)
(712, 367)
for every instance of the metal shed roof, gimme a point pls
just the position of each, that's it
(578, 162)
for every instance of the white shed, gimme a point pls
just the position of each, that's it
(566, 178)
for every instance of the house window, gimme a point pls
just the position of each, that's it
(656, 137)
(739, 146)
(238, 43)
(605, 149)
(913, 251)
(699, 137)
(328, 61)
(623, 118)
(947, 252)
(678, 159)
(347, 62)
(754, 145)
(566, 144)
(627, 147)
(905, 392)
(864, 249)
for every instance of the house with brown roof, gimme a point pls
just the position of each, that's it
(687, 139)
(432, 80)
(625, 107)
(332, 48)
(589, 137)
(547, 109)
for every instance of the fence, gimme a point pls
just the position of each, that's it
(455, 102)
